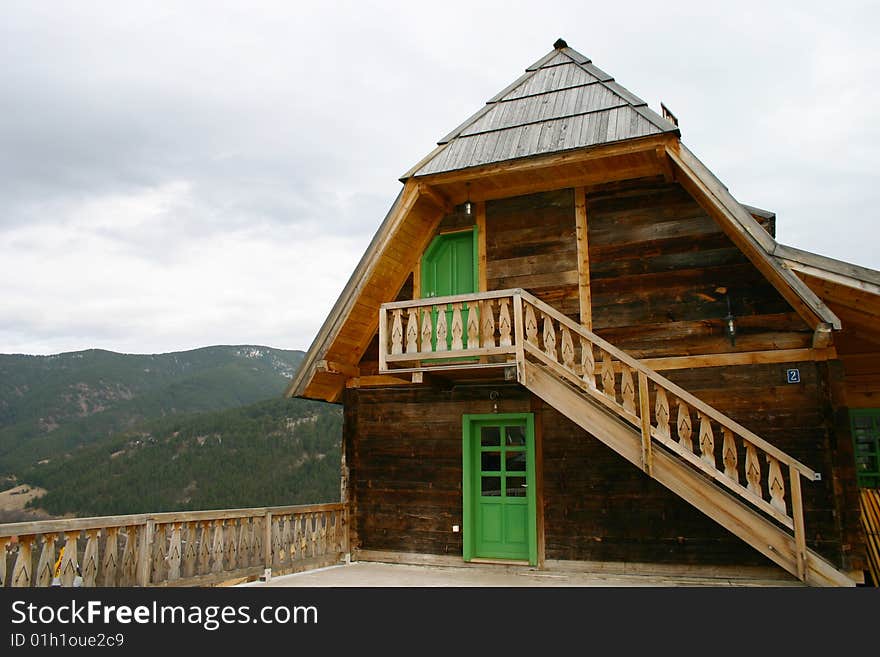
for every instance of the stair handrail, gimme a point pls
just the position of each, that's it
(670, 387)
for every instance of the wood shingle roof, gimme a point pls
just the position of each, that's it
(562, 102)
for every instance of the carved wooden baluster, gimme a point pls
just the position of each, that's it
(295, 547)
(231, 545)
(504, 330)
(204, 549)
(588, 363)
(277, 546)
(189, 550)
(217, 547)
(322, 539)
(130, 557)
(21, 571)
(473, 327)
(89, 566)
(313, 528)
(289, 547)
(661, 411)
(174, 553)
(110, 558)
(244, 543)
(627, 389)
(412, 331)
(442, 330)
(707, 441)
(46, 563)
(257, 541)
(728, 448)
(776, 484)
(427, 330)
(567, 349)
(457, 328)
(396, 332)
(69, 561)
(531, 324)
(4, 542)
(549, 338)
(487, 327)
(158, 552)
(302, 541)
(684, 426)
(753, 470)
(608, 382)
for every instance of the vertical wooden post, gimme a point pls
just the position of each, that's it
(267, 537)
(537, 406)
(144, 561)
(518, 337)
(583, 257)
(383, 340)
(481, 246)
(645, 418)
(797, 515)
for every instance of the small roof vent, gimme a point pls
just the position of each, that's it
(560, 44)
(669, 116)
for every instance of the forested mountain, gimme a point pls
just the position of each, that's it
(276, 452)
(109, 433)
(50, 405)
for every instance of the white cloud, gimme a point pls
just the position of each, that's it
(189, 174)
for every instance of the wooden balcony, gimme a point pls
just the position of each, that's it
(192, 548)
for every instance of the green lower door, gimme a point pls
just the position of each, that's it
(499, 514)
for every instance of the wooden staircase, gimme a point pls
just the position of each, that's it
(738, 479)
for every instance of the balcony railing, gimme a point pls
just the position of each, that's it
(192, 548)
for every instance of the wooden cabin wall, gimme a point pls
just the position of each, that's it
(405, 472)
(531, 244)
(403, 452)
(657, 261)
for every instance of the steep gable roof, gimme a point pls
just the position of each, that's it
(562, 102)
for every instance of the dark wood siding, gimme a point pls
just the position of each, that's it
(404, 455)
(658, 268)
(405, 463)
(531, 243)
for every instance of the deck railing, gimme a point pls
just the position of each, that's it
(192, 548)
(413, 337)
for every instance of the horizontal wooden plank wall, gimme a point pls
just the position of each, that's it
(405, 463)
(656, 263)
(405, 472)
(531, 243)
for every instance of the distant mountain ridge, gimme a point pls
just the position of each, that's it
(50, 405)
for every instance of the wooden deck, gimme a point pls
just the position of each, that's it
(379, 574)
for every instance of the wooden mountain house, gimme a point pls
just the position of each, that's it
(568, 342)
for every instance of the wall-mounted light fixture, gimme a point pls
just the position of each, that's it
(729, 319)
(468, 206)
(493, 396)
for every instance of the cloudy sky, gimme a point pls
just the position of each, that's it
(182, 174)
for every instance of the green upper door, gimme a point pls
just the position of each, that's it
(499, 487)
(449, 266)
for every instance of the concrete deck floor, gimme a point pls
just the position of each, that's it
(376, 574)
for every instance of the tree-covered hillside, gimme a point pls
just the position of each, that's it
(50, 405)
(276, 452)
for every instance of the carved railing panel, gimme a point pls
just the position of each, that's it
(179, 548)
